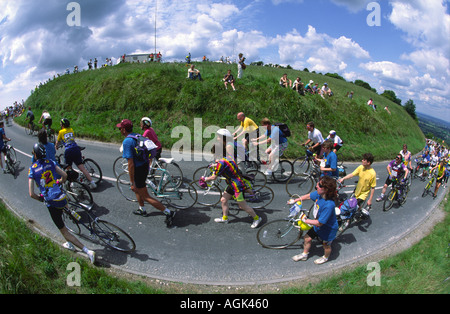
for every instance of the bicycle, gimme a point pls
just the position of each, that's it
(301, 164)
(398, 192)
(91, 166)
(10, 158)
(50, 134)
(113, 236)
(121, 165)
(180, 197)
(429, 185)
(282, 173)
(303, 183)
(282, 233)
(77, 191)
(30, 129)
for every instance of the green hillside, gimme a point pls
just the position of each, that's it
(95, 101)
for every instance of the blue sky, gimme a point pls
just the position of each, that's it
(408, 53)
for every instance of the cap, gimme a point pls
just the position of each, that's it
(126, 124)
(333, 132)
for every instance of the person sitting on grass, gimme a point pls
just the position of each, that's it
(194, 74)
(229, 79)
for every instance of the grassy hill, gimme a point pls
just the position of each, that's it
(95, 101)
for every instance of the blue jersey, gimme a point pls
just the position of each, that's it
(330, 162)
(43, 172)
(2, 133)
(325, 213)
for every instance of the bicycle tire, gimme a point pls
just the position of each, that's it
(262, 197)
(176, 174)
(120, 166)
(278, 234)
(79, 193)
(94, 170)
(12, 155)
(301, 185)
(208, 197)
(343, 226)
(124, 186)
(301, 165)
(259, 178)
(183, 197)
(70, 222)
(113, 236)
(284, 171)
(389, 200)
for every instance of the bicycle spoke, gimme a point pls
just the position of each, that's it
(278, 234)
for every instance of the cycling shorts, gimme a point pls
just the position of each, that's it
(56, 214)
(140, 176)
(73, 155)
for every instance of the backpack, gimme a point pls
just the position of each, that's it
(145, 149)
(284, 129)
(348, 208)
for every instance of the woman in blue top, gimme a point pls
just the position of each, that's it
(324, 224)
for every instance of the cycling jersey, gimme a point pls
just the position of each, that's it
(67, 137)
(43, 172)
(2, 133)
(330, 161)
(397, 169)
(228, 169)
(324, 212)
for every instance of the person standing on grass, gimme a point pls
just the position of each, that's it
(138, 171)
(43, 173)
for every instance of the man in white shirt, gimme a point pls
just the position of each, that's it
(314, 136)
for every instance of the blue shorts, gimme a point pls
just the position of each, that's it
(73, 155)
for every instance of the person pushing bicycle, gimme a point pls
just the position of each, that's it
(43, 173)
(396, 168)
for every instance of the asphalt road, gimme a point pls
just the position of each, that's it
(198, 250)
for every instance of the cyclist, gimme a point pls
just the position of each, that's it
(441, 173)
(149, 132)
(406, 154)
(328, 164)
(337, 141)
(50, 150)
(46, 119)
(396, 168)
(138, 172)
(425, 163)
(278, 144)
(237, 186)
(30, 117)
(227, 147)
(2, 145)
(366, 184)
(43, 173)
(325, 225)
(72, 154)
(314, 136)
(249, 129)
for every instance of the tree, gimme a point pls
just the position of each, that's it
(389, 94)
(410, 108)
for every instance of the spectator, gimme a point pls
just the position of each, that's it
(387, 109)
(370, 103)
(229, 79)
(326, 91)
(298, 86)
(241, 65)
(194, 74)
(285, 82)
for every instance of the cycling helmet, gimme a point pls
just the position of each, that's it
(147, 121)
(224, 132)
(65, 122)
(39, 151)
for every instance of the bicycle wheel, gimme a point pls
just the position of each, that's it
(259, 178)
(300, 185)
(210, 196)
(124, 186)
(343, 225)
(94, 170)
(260, 198)
(51, 136)
(278, 234)
(79, 193)
(28, 131)
(12, 155)
(70, 222)
(300, 165)
(113, 236)
(284, 171)
(176, 175)
(120, 166)
(389, 200)
(183, 197)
